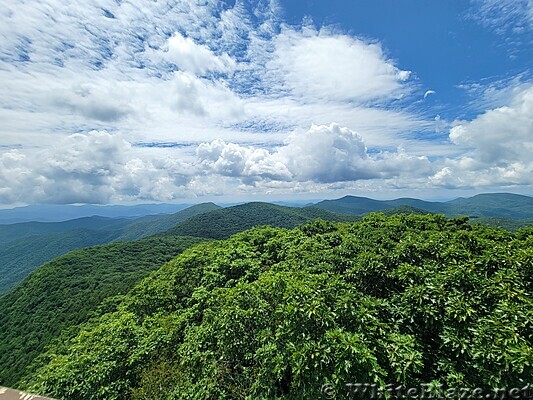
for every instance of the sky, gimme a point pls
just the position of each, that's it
(137, 101)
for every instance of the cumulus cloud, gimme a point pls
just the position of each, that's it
(188, 72)
(235, 85)
(246, 162)
(498, 146)
(324, 65)
(96, 167)
(327, 154)
(323, 154)
(79, 169)
(500, 135)
(102, 167)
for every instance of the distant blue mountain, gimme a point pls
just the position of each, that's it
(11, 232)
(64, 212)
(504, 205)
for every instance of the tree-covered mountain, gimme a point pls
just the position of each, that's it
(21, 256)
(505, 205)
(57, 301)
(10, 232)
(65, 292)
(21, 253)
(405, 210)
(499, 222)
(354, 205)
(223, 223)
(153, 224)
(277, 314)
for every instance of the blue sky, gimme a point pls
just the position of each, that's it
(134, 101)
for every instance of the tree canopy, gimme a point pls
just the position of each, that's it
(273, 313)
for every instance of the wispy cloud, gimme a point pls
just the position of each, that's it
(429, 92)
(504, 16)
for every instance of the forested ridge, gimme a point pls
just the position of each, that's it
(276, 313)
(222, 223)
(67, 291)
(20, 257)
(154, 224)
(28, 245)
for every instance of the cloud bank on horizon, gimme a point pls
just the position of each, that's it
(118, 101)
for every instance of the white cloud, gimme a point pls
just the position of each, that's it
(97, 167)
(502, 134)
(94, 102)
(498, 147)
(327, 154)
(203, 97)
(324, 154)
(235, 90)
(429, 92)
(246, 162)
(101, 67)
(323, 65)
(79, 169)
(14, 169)
(198, 59)
(382, 128)
(504, 15)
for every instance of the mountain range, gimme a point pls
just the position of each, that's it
(64, 212)
(48, 294)
(26, 245)
(504, 205)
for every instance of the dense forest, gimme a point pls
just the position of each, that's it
(276, 313)
(68, 290)
(25, 246)
(152, 224)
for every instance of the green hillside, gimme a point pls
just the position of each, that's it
(405, 210)
(505, 223)
(64, 212)
(430, 206)
(223, 223)
(64, 292)
(277, 314)
(153, 224)
(19, 257)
